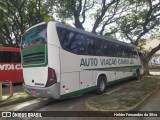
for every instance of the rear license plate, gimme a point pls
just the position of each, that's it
(33, 91)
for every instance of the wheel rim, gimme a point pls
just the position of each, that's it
(102, 85)
(138, 74)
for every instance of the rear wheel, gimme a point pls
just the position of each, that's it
(101, 85)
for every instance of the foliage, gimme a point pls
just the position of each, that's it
(142, 19)
(18, 15)
(155, 35)
(92, 15)
(134, 20)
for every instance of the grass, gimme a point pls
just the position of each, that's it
(154, 67)
(126, 97)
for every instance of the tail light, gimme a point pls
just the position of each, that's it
(51, 77)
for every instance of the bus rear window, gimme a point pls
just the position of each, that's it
(35, 36)
(10, 56)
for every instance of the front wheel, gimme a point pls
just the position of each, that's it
(101, 85)
(137, 74)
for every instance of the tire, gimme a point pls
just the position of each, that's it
(101, 85)
(137, 74)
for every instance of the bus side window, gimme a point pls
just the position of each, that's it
(15, 57)
(108, 50)
(73, 45)
(82, 44)
(63, 36)
(117, 48)
(78, 45)
(132, 53)
(125, 52)
(7, 56)
(2, 58)
(121, 50)
(135, 53)
(129, 53)
(65, 39)
(90, 46)
(113, 51)
(98, 48)
(105, 49)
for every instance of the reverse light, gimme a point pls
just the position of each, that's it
(47, 92)
(51, 77)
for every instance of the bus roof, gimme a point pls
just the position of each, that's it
(57, 24)
(94, 35)
(10, 49)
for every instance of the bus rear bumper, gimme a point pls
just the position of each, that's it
(48, 92)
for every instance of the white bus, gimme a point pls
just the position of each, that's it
(61, 61)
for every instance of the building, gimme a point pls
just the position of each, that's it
(150, 45)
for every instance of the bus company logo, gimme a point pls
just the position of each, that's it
(10, 67)
(104, 62)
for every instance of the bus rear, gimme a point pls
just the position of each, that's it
(10, 65)
(39, 75)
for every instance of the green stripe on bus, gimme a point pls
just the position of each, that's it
(123, 69)
(119, 80)
(79, 92)
(35, 56)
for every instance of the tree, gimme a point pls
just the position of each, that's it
(143, 19)
(100, 16)
(17, 16)
(134, 19)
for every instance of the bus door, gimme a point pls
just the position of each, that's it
(86, 79)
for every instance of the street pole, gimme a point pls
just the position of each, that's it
(0, 90)
(11, 88)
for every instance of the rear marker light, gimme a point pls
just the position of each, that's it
(51, 77)
(46, 92)
(67, 90)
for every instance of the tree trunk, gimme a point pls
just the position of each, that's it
(146, 68)
(147, 59)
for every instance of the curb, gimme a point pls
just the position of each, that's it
(10, 101)
(147, 97)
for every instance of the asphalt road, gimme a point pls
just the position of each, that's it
(70, 104)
